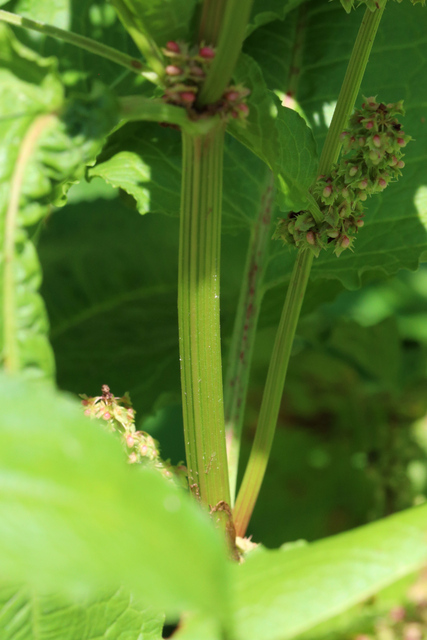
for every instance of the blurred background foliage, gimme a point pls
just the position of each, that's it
(351, 444)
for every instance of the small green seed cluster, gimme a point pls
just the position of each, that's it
(119, 415)
(373, 145)
(372, 5)
(185, 75)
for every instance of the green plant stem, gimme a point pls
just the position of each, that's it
(77, 40)
(244, 332)
(232, 33)
(273, 390)
(198, 317)
(145, 43)
(156, 110)
(350, 87)
(11, 359)
(210, 21)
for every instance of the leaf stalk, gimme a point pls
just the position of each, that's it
(270, 405)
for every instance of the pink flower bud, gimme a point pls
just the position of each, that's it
(188, 97)
(327, 191)
(85, 403)
(107, 415)
(360, 222)
(207, 52)
(345, 242)
(173, 70)
(197, 71)
(362, 142)
(393, 162)
(400, 164)
(144, 449)
(401, 142)
(397, 614)
(133, 458)
(232, 96)
(376, 140)
(363, 184)
(243, 108)
(173, 46)
(369, 124)
(353, 171)
(130, 441)
(87, 412)
(310, 237)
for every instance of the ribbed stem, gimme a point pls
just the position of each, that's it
(198, 315)
(273, 390)
(232, 32)
(244, 332)
(211, 20)
(98, 48)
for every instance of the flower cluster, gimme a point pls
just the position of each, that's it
(403, 622)
(371, 159)
(118, 414)
(185, 75)
(373, 5)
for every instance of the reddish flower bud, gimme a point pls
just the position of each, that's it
(173, 46)
(376, 140)
(400, 164)
(369, 124)
(382, 183)
(173, 70)
(327, 191)
(353, 170)
(87, 412)
(207, 52)
(310, 237)
(401, 142)
(243, 108)
(130, 441)
(188, 97)
(345, 242)
(232, 96)
(106, 415)
(363, 184)
(360, 222)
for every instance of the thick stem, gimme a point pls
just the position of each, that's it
(198, 316)
(273, 390)
(232, 32)
(10, 330)
(210, 21)
(244, 332)
(77, 40)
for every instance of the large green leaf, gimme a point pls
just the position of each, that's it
(163, 19)
(394, 235)
(286, 592)
(278, 135)
(47, 143)
(144, 160)
(266, 11)
(25, 615)
(111, 292)
(75, 517)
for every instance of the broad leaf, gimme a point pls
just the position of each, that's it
(113, 616)
(286, 592)
(47, 143)
(266, 11)
(111, 293)
(163, 19)
(144, 160)
(394, 235)
(278, 135)
(74, 517)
